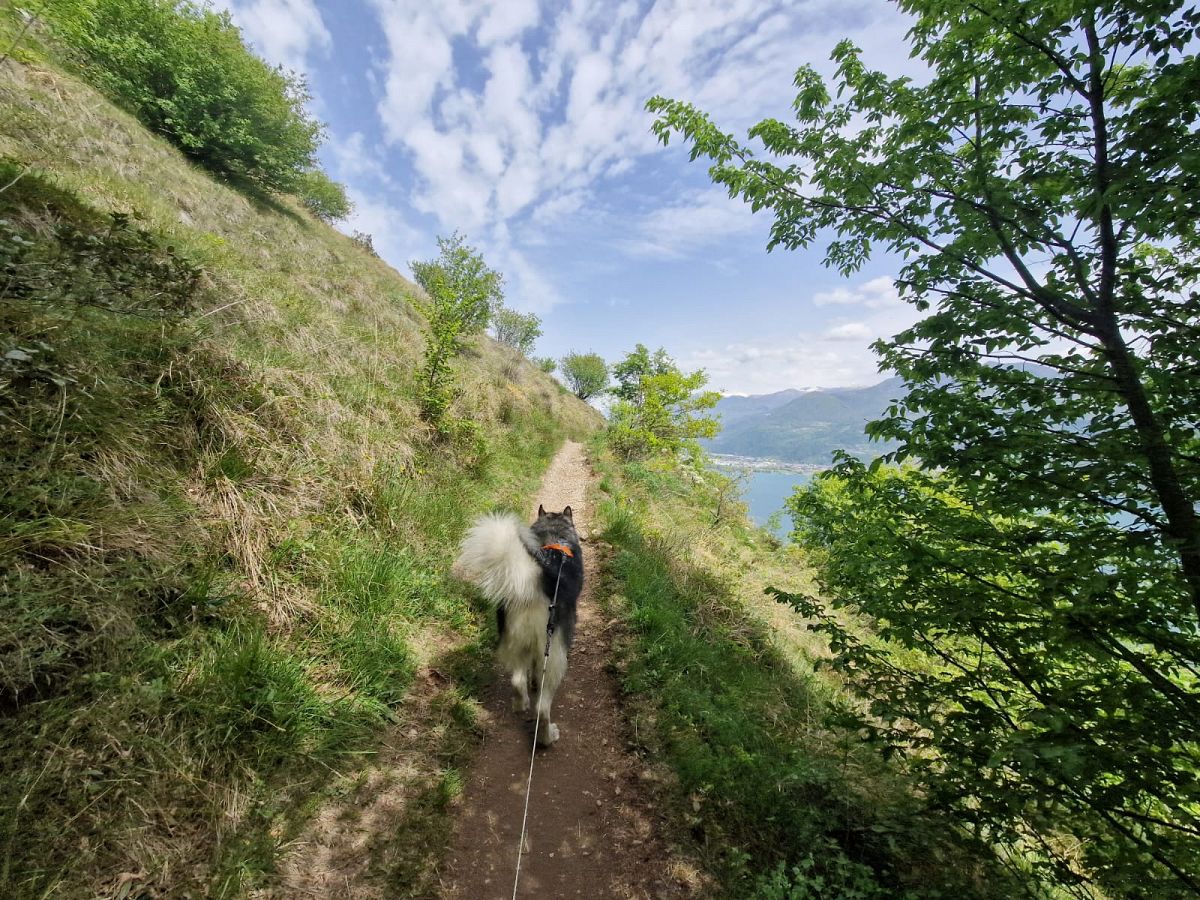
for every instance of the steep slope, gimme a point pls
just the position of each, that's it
(730, 693)
(806, 427)
(224, 528)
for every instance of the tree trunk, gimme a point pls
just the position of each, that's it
(1183, 527)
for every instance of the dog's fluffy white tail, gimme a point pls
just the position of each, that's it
(494, 556)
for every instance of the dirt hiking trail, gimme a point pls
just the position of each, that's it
(593, 830)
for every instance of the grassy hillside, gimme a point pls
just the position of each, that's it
(224, 528)
(725, 687)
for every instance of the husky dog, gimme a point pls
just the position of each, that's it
(519, 568)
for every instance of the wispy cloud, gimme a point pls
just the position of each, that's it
(393, 237)
(878, 293)
(821, 356)
(850, 331)
(355, 160)
(681, 229)
(284, 32)
(554, 103)
(522, 124)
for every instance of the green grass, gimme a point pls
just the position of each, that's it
(722, 684)
(224, 531)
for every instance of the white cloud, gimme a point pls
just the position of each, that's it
(354, 160)
(878, 293)
(850, 331)
(821, 356)
(676, 231)
(546, 125)
(557, 208)
(527, 288)
(394, 239)
(284, 32)
(421, 61)
(507, 20)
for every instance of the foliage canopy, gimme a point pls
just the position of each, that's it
(659, 407)
(185, 72)
(516, 329)
(1038, 185)
(324, 198)
(586, 374)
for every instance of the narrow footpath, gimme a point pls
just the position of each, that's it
(593, 830)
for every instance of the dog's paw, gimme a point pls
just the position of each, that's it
(520, 704)
(547, 735)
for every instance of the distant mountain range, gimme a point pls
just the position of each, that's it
(804, 426)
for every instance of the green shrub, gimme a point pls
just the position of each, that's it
(184, 70)
(325, 198)
(659, 406)
(364, 241)
(517, 330)
(823, 873)
(111, 265)
(586, 374)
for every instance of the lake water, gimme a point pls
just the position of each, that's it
(764, 492)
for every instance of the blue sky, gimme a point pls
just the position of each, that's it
(521, 124)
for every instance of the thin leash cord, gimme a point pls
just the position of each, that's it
(536, 724)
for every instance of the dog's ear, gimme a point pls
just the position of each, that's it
(541, 511)
(567, 512)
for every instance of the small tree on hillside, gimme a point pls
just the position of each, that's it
(364, 241)
(631, 372)
(325, 198)
(586, 374)
(517, 330)
(462, 291)
(659, 407)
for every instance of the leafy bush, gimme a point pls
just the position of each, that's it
(657, 406)
(1096, 739)
(114, 266)
(105, 264)
(184, 70)
(325, 198)
(516, 330)
(823, 874)
(546, 363)
(586, 374)
(364, 241)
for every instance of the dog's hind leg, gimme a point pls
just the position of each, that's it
(520, 690)
(548, 732)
